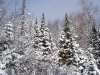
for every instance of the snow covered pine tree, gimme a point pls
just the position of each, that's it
(98, 50)
(65, 44)
(7, 59)
(42, 45)
(45, 39)
(36, 35)
(70, 54)
(9, 54)
(95, 42)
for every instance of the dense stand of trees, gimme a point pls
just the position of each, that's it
(68, 47)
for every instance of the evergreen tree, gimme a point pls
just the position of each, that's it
(0, 30)
(90, 67)
(66, 52)
(36, 35)
(95, 42)
(45, 37)
(97, 53)
(2, 19)
(9, 54)
(94, 37)
(6, 50)
(42, 47)
(9, 31)
(23, 14)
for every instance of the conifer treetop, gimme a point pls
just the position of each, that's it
(66, 27)
(43, 22)
(36, 21)
(94, 30)
(66, 21)
(43, 18)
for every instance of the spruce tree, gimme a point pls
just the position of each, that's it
(9, 31)
(42, 47)
(97, 52)
(45, 37)
(6, 50)
(65, 44)
(42, 41)
(95, 42)
(9, 55)
(94, 37)
(36, 35)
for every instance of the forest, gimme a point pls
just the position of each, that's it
(70, 46)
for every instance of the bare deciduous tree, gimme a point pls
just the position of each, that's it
(54, 29)
(83, 22)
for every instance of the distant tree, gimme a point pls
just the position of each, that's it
(1, 12)
(2, 9)
(23, 13)
(55, 30)
(83, 21)
(2, 18)
(1, 22)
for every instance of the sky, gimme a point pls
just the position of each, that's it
(53, 9)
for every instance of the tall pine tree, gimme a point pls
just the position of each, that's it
(65, 44)
(43, 47)
(94, 37)
(45, 37)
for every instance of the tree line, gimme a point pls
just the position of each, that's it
(68, 47)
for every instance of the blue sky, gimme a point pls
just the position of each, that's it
(53, 9)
